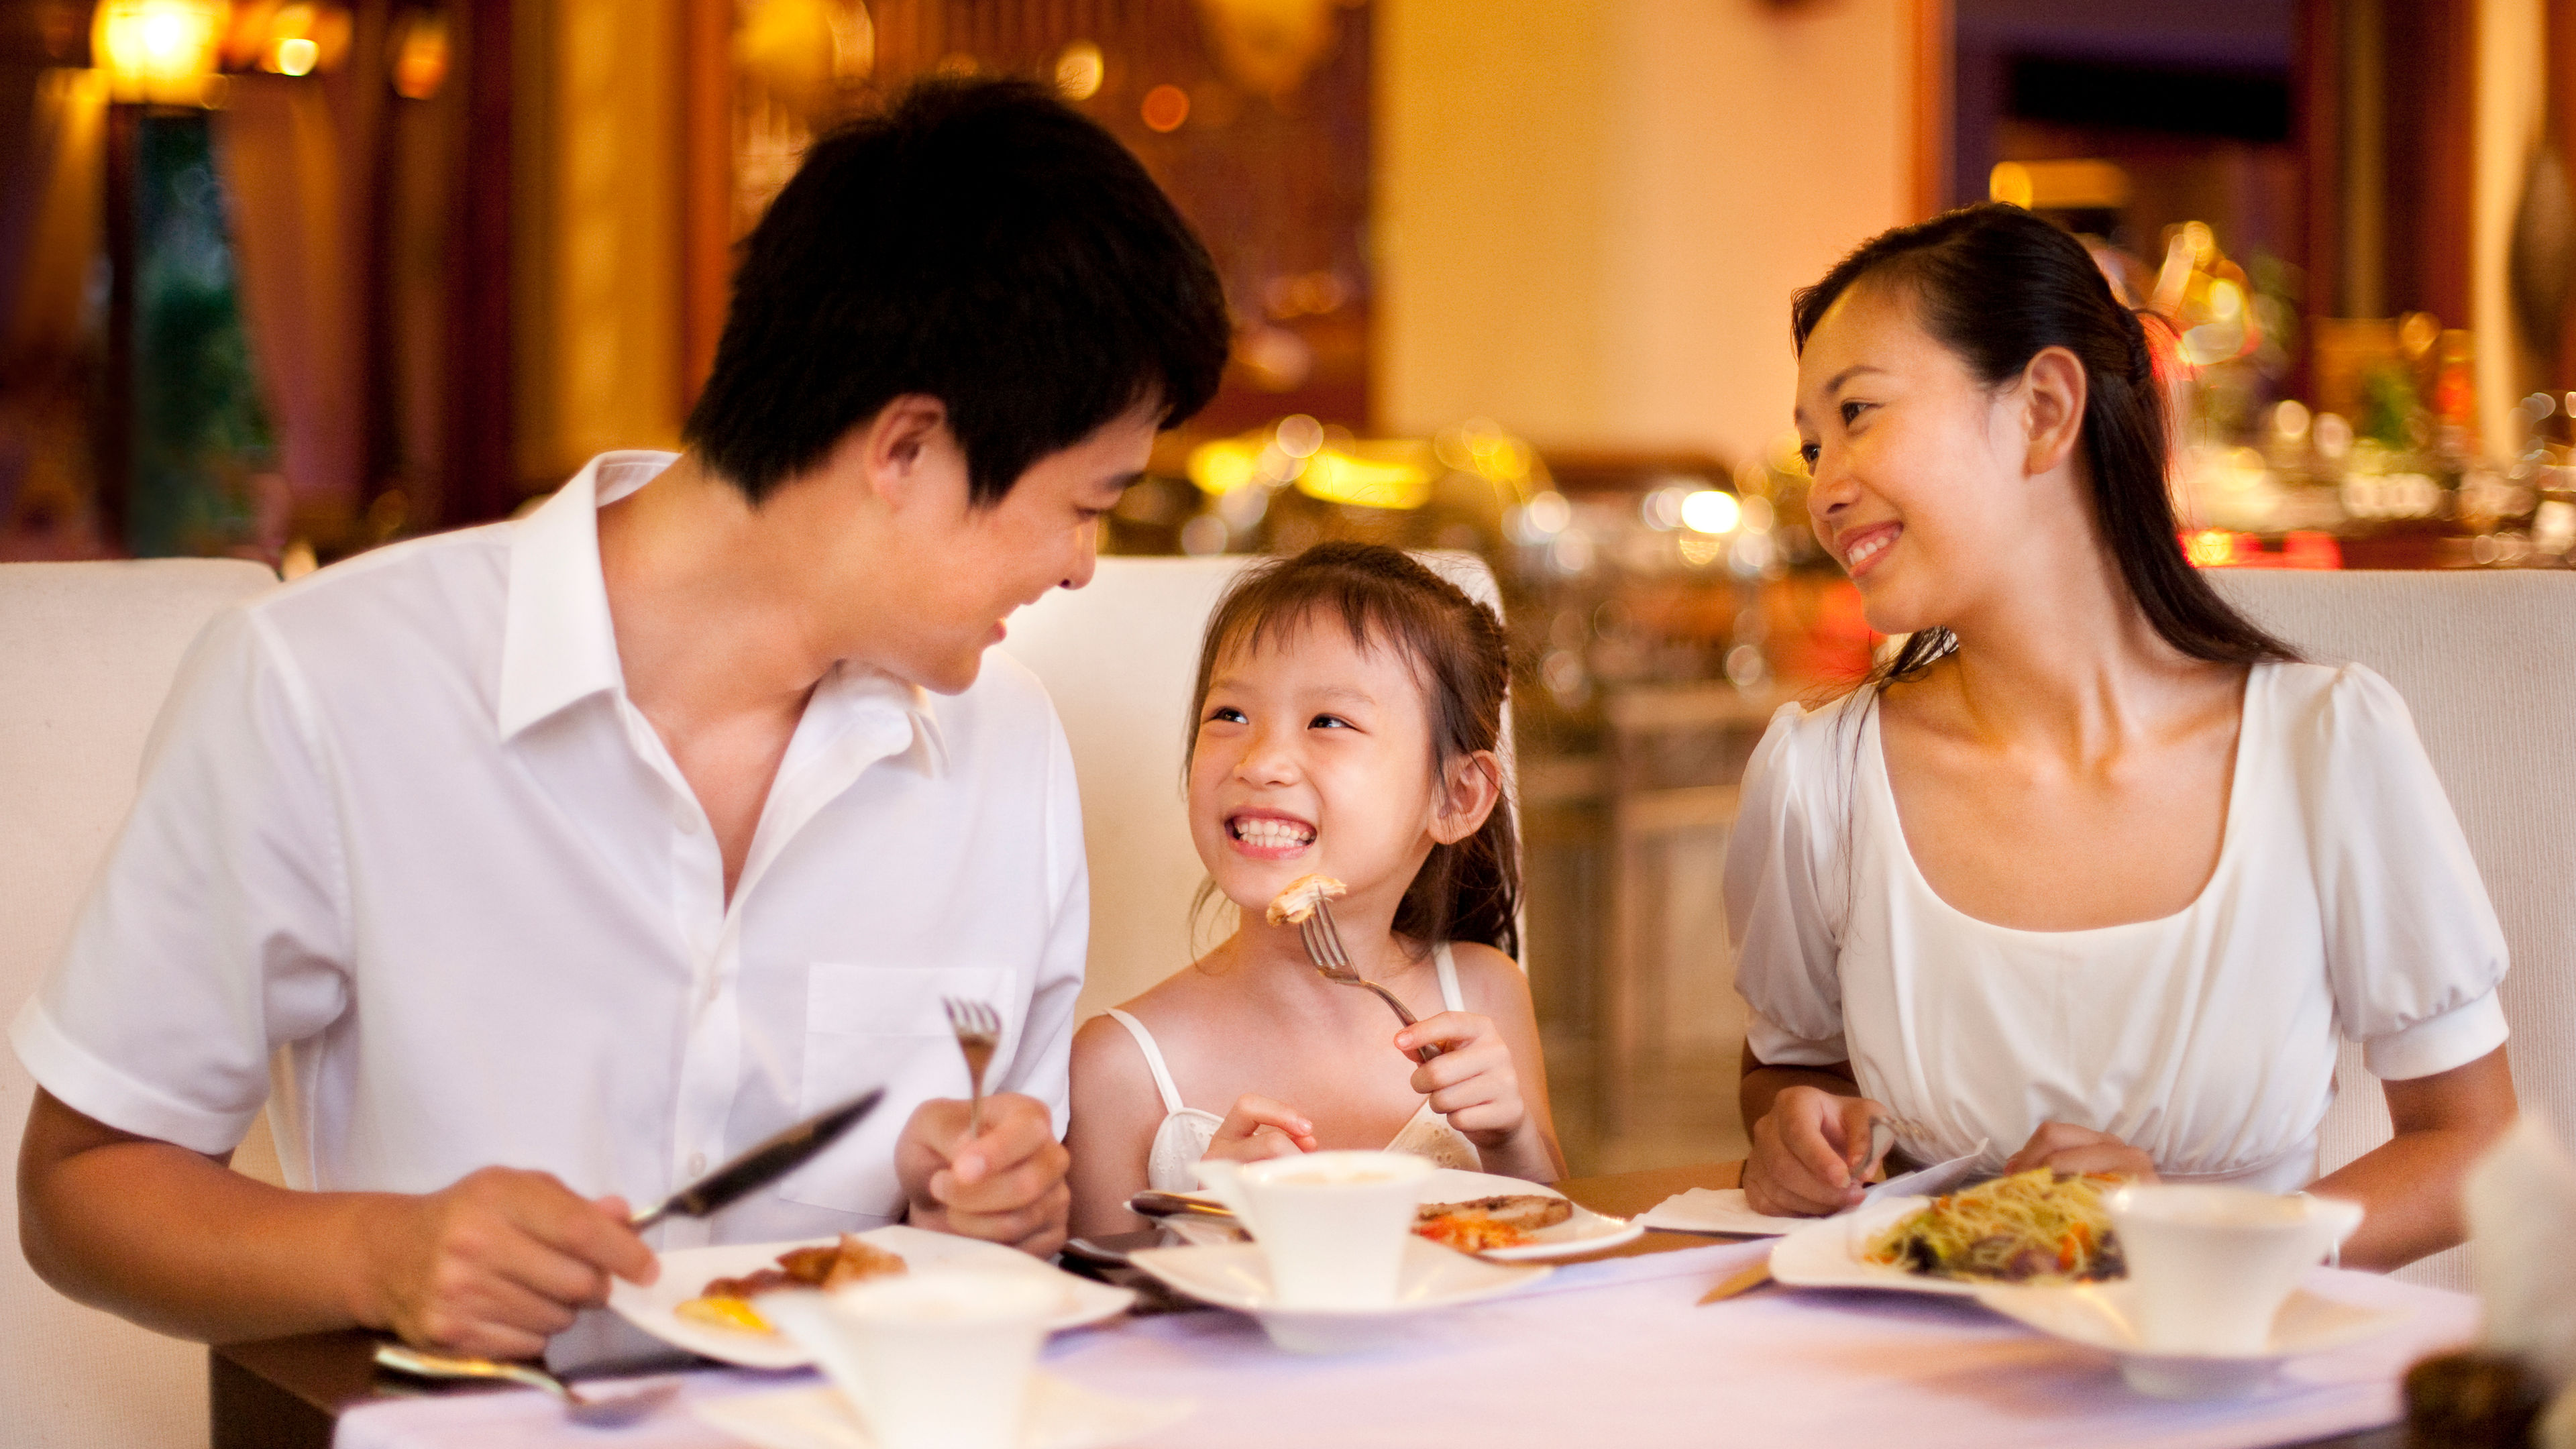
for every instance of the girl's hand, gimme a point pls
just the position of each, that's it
(2069, 1148)
(1472, 1081)
(1810, 1154)
(1259, 1128)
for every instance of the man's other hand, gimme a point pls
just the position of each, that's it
(494, 1265)
(1004, 1186)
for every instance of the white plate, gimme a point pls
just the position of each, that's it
(2097, 1315)
(1060, 1416)
(1827, 1253)
(1237, 1276)
(685, 1273)
(1585, 1232)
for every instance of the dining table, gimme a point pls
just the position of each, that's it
(1614, 1346)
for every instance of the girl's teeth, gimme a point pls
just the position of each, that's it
(1271, 833)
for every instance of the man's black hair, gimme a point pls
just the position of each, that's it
(980, 242)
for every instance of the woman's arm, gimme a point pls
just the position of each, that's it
(2409, 1186)
(1810, 1133)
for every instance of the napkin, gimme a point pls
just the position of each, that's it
(1723, 1209)
(2521, 1201)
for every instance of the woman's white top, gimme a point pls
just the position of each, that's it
(1182, 1139)
(2344, 903)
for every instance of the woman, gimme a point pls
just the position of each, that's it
(2093, 871)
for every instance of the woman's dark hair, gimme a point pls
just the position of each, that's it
(978, 241)
(1995, 285)
(1454, 646)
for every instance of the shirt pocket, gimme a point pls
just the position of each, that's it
(870, 1026)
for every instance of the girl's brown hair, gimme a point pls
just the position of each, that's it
(1469, 891)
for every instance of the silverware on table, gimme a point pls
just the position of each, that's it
(1174, 1205)
(599, 1411)
(979, 1031)
(1324, 948)
(762, 1165)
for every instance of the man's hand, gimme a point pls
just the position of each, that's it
(1006, 1186)
(2069, 1148)
(1810, 1154)
(494, 1265)
(1258, 1128)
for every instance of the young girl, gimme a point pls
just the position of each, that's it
(1348, 711)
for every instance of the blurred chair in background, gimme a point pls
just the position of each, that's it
(87, 651)
(2487, 663)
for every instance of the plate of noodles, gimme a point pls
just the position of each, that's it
(2033, 1227)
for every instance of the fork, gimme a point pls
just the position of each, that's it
(979, 1030)
(596, 1410)
(1324, 948)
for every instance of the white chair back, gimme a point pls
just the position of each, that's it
(1119, 657)
(2487, 664)
(86, 653)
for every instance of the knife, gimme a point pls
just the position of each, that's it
(1173, 1204)
(1744, 1282)
(762, 1165)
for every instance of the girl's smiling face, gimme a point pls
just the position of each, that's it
(1314, 755)
(1916, 464)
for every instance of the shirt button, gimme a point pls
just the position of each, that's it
(687, 821)
(697, 1163)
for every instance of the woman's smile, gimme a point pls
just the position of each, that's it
(1862, 548)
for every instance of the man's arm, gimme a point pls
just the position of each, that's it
(177, 1241)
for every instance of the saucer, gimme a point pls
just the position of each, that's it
(1060, 1416)
(1237, 1276)
(2098, 1316)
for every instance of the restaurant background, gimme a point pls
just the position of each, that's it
(289, 281)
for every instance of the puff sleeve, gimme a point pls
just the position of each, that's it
(1782, 884)
(2413, 949)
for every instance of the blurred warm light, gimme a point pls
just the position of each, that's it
(2059, 185)
(1220, 467)
(2210, 548)
(803, 51)
(1268, 46)
(1166, 107)
(159, 51)
(1369, 475)
(1299, 436)
(1710, 511)
(293, 39)
(1079, 71)
(421, 57)
(1547, 515)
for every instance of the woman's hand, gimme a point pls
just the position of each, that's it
(1258, 1128)
(2069, 1148)
(1810, 1153)
(1472, 1082)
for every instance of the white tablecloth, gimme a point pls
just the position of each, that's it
(1613, 1352)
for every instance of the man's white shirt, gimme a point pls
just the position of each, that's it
(401, 830)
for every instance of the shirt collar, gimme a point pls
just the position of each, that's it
(559, 645)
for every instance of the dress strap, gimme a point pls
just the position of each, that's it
(1154, 1058)
(1448, 965)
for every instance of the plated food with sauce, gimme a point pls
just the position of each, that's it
(695, 1275)
(2039, 1226)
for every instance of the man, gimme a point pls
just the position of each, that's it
(564, 859)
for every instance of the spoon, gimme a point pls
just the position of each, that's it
(598, 1412)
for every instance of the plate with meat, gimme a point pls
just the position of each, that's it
(708, 1299)
(1500, 1219)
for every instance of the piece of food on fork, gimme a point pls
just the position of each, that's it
(1293, 905)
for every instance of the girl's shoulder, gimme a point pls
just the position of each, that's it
(1487, 977)
(1808, 757)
